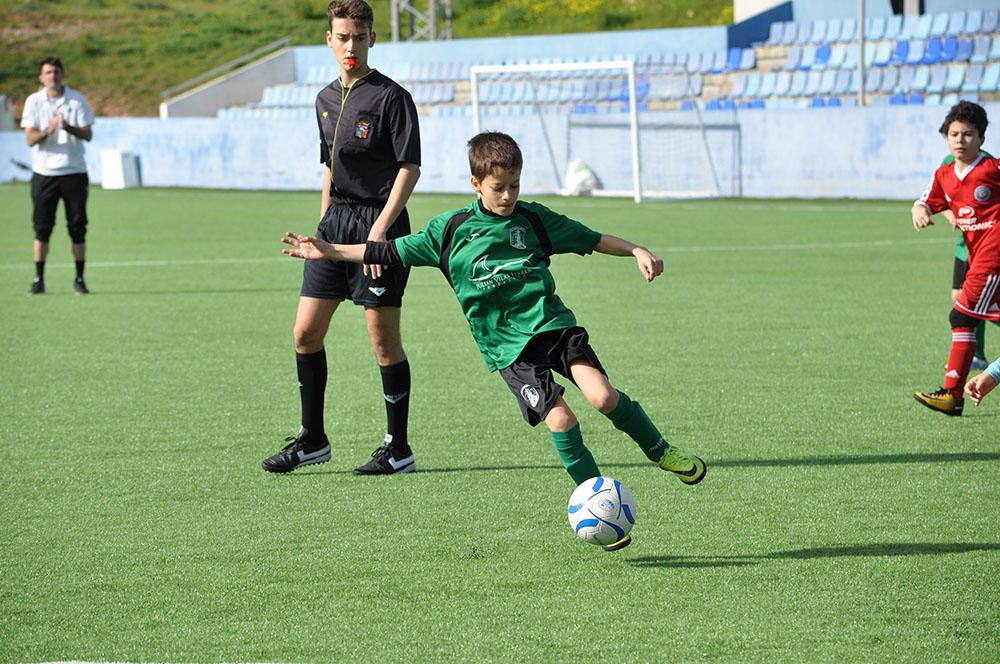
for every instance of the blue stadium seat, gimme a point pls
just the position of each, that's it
(728, 105)
(974, 21)
(956, 76)
(939, 75)
(757, 104)
(827, 81)
(932, 100)
(915, 99)
(963, 52)
(949, 49)
(921, 79)
(744, 105)
(687, 105)
(991, 78)
(833, 102)
(991, 19)
(834, 27)
(720, 62)
(956, 23)
(813, 79)
(748, 59)
(791, 31)
(905, 82)
(822, 58)
(819, 29)
(922, 28)
(915, 52)
(893, 25)
(890, 76)
(995, 49)
(817, 102)
(939, 25)
(803, 33)
(798, 86)
(900, 52)
(980, 49)
(768, 81)
(774, 38)
(782, 84)
(875, 28)
(851, 57)
(838, 54)
(753, 84)
(883, 52)
(973, 77)
(949, 99)
(873, 79)
(842, 84)
(933, 53)
(713, 105)
(897, 100)
(849, 30)
(793, 58)
(808, 57)
(585, 109)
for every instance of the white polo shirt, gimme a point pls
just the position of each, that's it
(60, 153)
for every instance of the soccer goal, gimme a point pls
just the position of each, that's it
(597, 141)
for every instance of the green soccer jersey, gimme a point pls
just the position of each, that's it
(499, 272)
(961, 251)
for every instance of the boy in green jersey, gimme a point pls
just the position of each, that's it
(495, 254)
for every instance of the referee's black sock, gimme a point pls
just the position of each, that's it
(39, 270)
(79, 269)
(396, 390)
(312, 389)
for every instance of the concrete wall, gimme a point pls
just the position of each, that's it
(241, 87)
(886, 152)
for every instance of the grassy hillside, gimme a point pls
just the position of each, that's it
(123, 53)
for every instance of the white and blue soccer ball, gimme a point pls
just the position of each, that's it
(601, 510)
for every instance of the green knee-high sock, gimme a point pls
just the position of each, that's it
(575, 456)
(629, 417)
(981, 339)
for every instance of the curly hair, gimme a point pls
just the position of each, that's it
(969, 113)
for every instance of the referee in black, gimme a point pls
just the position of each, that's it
(370, 142)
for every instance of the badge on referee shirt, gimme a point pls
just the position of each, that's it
(362, 128)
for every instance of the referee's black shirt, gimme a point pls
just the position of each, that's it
(365, 143)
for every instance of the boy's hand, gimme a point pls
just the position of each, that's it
(921, 217)
(303, 246)
(650, 265)
(979, 387)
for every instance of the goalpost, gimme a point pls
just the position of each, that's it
(584, 115)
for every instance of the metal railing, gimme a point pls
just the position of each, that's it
(229, 66)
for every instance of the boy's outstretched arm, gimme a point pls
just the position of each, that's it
(315, 249)
(650, 265)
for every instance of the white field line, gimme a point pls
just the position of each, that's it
(203, 261)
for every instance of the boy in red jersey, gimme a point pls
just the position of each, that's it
(970, 189)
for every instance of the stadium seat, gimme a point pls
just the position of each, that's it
(687, 105)
(949, 49)
(753, 84)
(893, 25)
(922, 28)
(875, 28)
(855, 86)
(883, 52)
(879, 100)
(757, 104)
(915, 99)
(897, 100)
(873, 79)
(956, 23)
(803, 33)
(790, 30)
(991, 19)
(963, 52)
(834, 27)
(921, 79)
(890, 76)
(956, 76)
(744, 105)
(932, 100)
(850, 57)
(774, 38)
(793, 59)
(899, 53)
(748, 59)
(719, 62)
(849, 102)
(798, 85)
(808, 57)
(842, 84)
(695, 83)
(949, 99)
(995, 49)
(838, 53)
(933, 53)
(905, 82)
(728, 105)
(833, 102)
(817, 102)
(973, 77)
(991, 78)
(939, 24)
(713, 105)
(693, 63)
(813, 80)
(915, 51)
(974, 21)
(980, 49)
(819, 29)
(939, 75)
(769, 83)
(739, 88)
(827, 81)
(849, 30)
(869, 54)
(908, 27)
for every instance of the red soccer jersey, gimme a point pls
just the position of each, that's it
(973, 196)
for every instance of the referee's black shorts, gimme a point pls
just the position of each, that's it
(46, 190)
(349, 222)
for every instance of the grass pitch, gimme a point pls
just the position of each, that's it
(839, 520)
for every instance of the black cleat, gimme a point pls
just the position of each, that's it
(383, 463)
(80, 287)
(37, 287)
(298, 452)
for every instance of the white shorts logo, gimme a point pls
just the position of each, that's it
(530, 394)
(378, 290)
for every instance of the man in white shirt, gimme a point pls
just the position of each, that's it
(56, 121)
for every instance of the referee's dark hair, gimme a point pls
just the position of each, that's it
(356, 10)
(51, 60)
(491, 152)
(969, 113)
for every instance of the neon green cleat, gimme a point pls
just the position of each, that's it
(619, 545)
(942, 401)
(689, 470)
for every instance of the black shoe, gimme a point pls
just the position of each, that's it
(80, 287)
(382, 463)
(37, 286)
(298, 452)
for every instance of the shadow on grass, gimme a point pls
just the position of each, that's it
(190, 291)
(848, 551)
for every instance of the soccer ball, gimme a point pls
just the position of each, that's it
(601, 511)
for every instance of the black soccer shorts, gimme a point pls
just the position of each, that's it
(530, 377)
(349, 222)
(46, 190)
